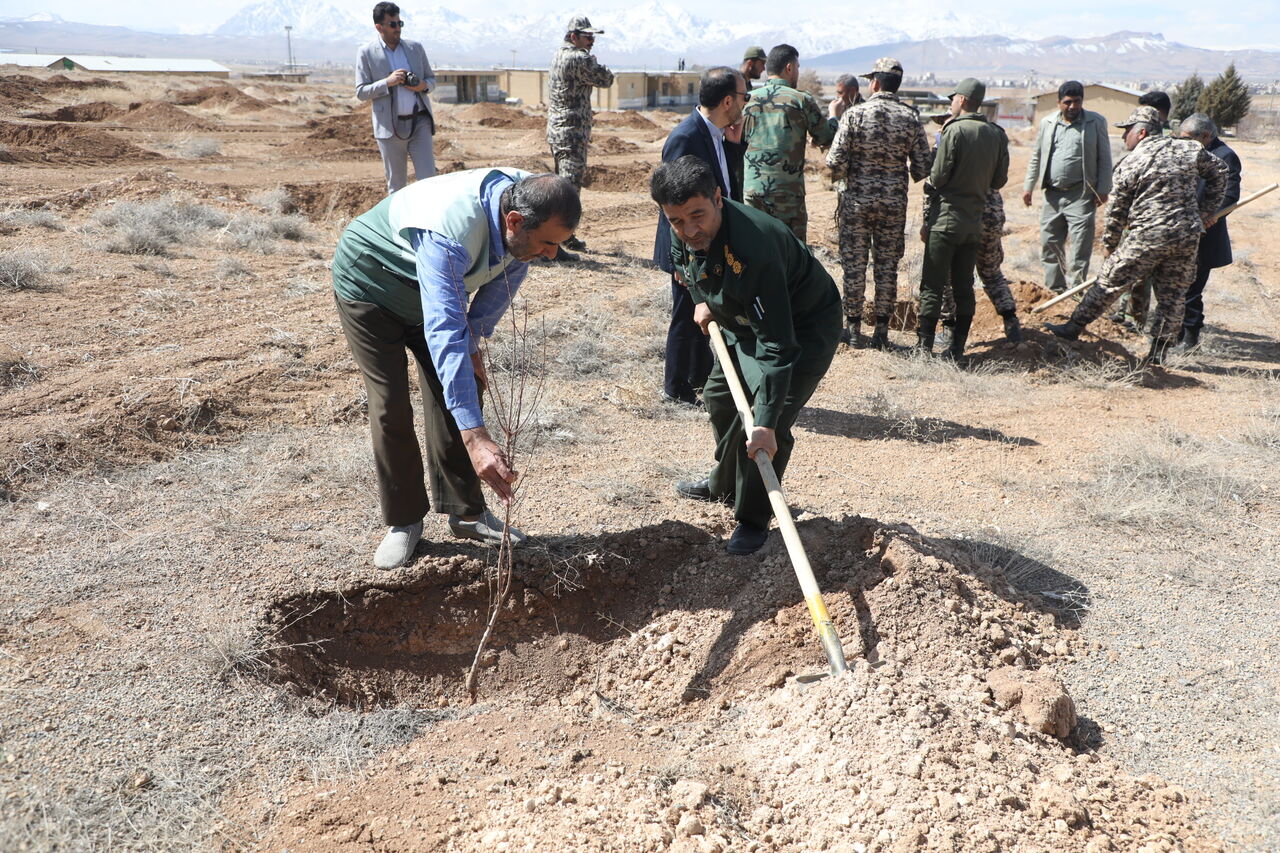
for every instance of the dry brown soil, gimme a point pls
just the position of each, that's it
(196, 653)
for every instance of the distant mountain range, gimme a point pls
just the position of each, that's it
(655, 34)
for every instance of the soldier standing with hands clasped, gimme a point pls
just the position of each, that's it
(574, 73)
(879, 142)
(1155, 199)
(972, 159)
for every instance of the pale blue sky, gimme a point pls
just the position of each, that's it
(1242, 23)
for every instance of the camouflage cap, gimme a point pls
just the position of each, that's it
(972, 88)
(1139, 116)
(581, 24)
(884, 65)
(754, 52)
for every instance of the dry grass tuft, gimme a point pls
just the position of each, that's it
(16, 370)
(229, 269)
(276, 201)
(261, 233)
(21, 269)
(151, 228)
(1098, 375)
(1165, 480)
(19, 218)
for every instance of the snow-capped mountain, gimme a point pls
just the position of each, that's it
(652, 32)
(309, 18)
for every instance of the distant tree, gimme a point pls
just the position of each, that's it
(1186, 97)
(810, 83)
(1226, 99)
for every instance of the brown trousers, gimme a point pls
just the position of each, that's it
(378, 341)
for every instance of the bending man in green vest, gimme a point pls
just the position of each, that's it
(431, 269)
(780, 314)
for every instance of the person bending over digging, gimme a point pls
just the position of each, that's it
(430, 269)
(780, 314)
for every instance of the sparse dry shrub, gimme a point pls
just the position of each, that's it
(16, 370)
(19, 218)
(1098, 375)
(231, 268)
(1264, 432)
(21, 269)
(163, 301)
(278, 201)
(261, 233)
(200, 148)
(1165, 480)
(151, 228)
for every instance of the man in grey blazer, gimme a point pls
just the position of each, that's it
(403, 125)
(1071, 162)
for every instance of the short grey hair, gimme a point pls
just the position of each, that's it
(1198, 125)
(1153, 128)
(845, 79)
(539, 198)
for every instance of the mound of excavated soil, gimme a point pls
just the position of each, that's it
(498, 115)
(329, 199)
(94, 111)
(64, 144)
(219, 96)
(667, 668)
(624, 118)
(352, 129)
(158, 115)
(631, 178)
(61, 82)
(612, 145)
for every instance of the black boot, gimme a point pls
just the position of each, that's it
(1012, 328)
(925, 334)
(880, 340)
(959, 337)
(852, 334)
(1159, 349)
(564, 257)
(575, 244)
(1069, 330)
(1190, 339)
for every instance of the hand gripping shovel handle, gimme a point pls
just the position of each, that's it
(1063, 295)
(795, 549)
(1242, 202)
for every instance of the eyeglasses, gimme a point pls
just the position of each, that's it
(395, 25)
(746, 96)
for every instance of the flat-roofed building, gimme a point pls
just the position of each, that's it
(1114, 102)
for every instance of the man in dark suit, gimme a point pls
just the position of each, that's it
(1215, 243)
(712, 133)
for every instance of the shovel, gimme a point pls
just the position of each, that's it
(795, 549)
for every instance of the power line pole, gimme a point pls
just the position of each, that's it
(288, 37)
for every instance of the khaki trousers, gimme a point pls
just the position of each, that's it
(379, 343)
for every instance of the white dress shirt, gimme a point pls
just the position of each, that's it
(717, 140)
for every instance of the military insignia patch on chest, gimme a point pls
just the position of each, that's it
(734, 263)
(742, 321)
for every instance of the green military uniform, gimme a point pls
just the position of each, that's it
(780, 313)
(972, 159)
(775, 124)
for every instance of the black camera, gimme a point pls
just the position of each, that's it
(411, 79)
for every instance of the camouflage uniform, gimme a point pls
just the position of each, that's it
(1154, 198)
(574, 72)
(872, 147)
(776, 122)
(990, 259)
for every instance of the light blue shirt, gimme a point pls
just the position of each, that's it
(449, 326)
(717, 142)
(406, 101)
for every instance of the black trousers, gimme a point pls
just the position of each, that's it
(1193, 313)
(688, 350)
(380, 342)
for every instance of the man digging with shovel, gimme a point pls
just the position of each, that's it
(780, 314)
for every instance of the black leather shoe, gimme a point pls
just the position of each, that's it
(1069, 330)
(695, 490)
(747, 539)
(563, 257)
(575, 244)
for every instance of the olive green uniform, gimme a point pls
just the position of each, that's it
(779, 310)
(972, 158)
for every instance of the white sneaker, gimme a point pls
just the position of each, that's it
(487, 529)
(397, 546)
